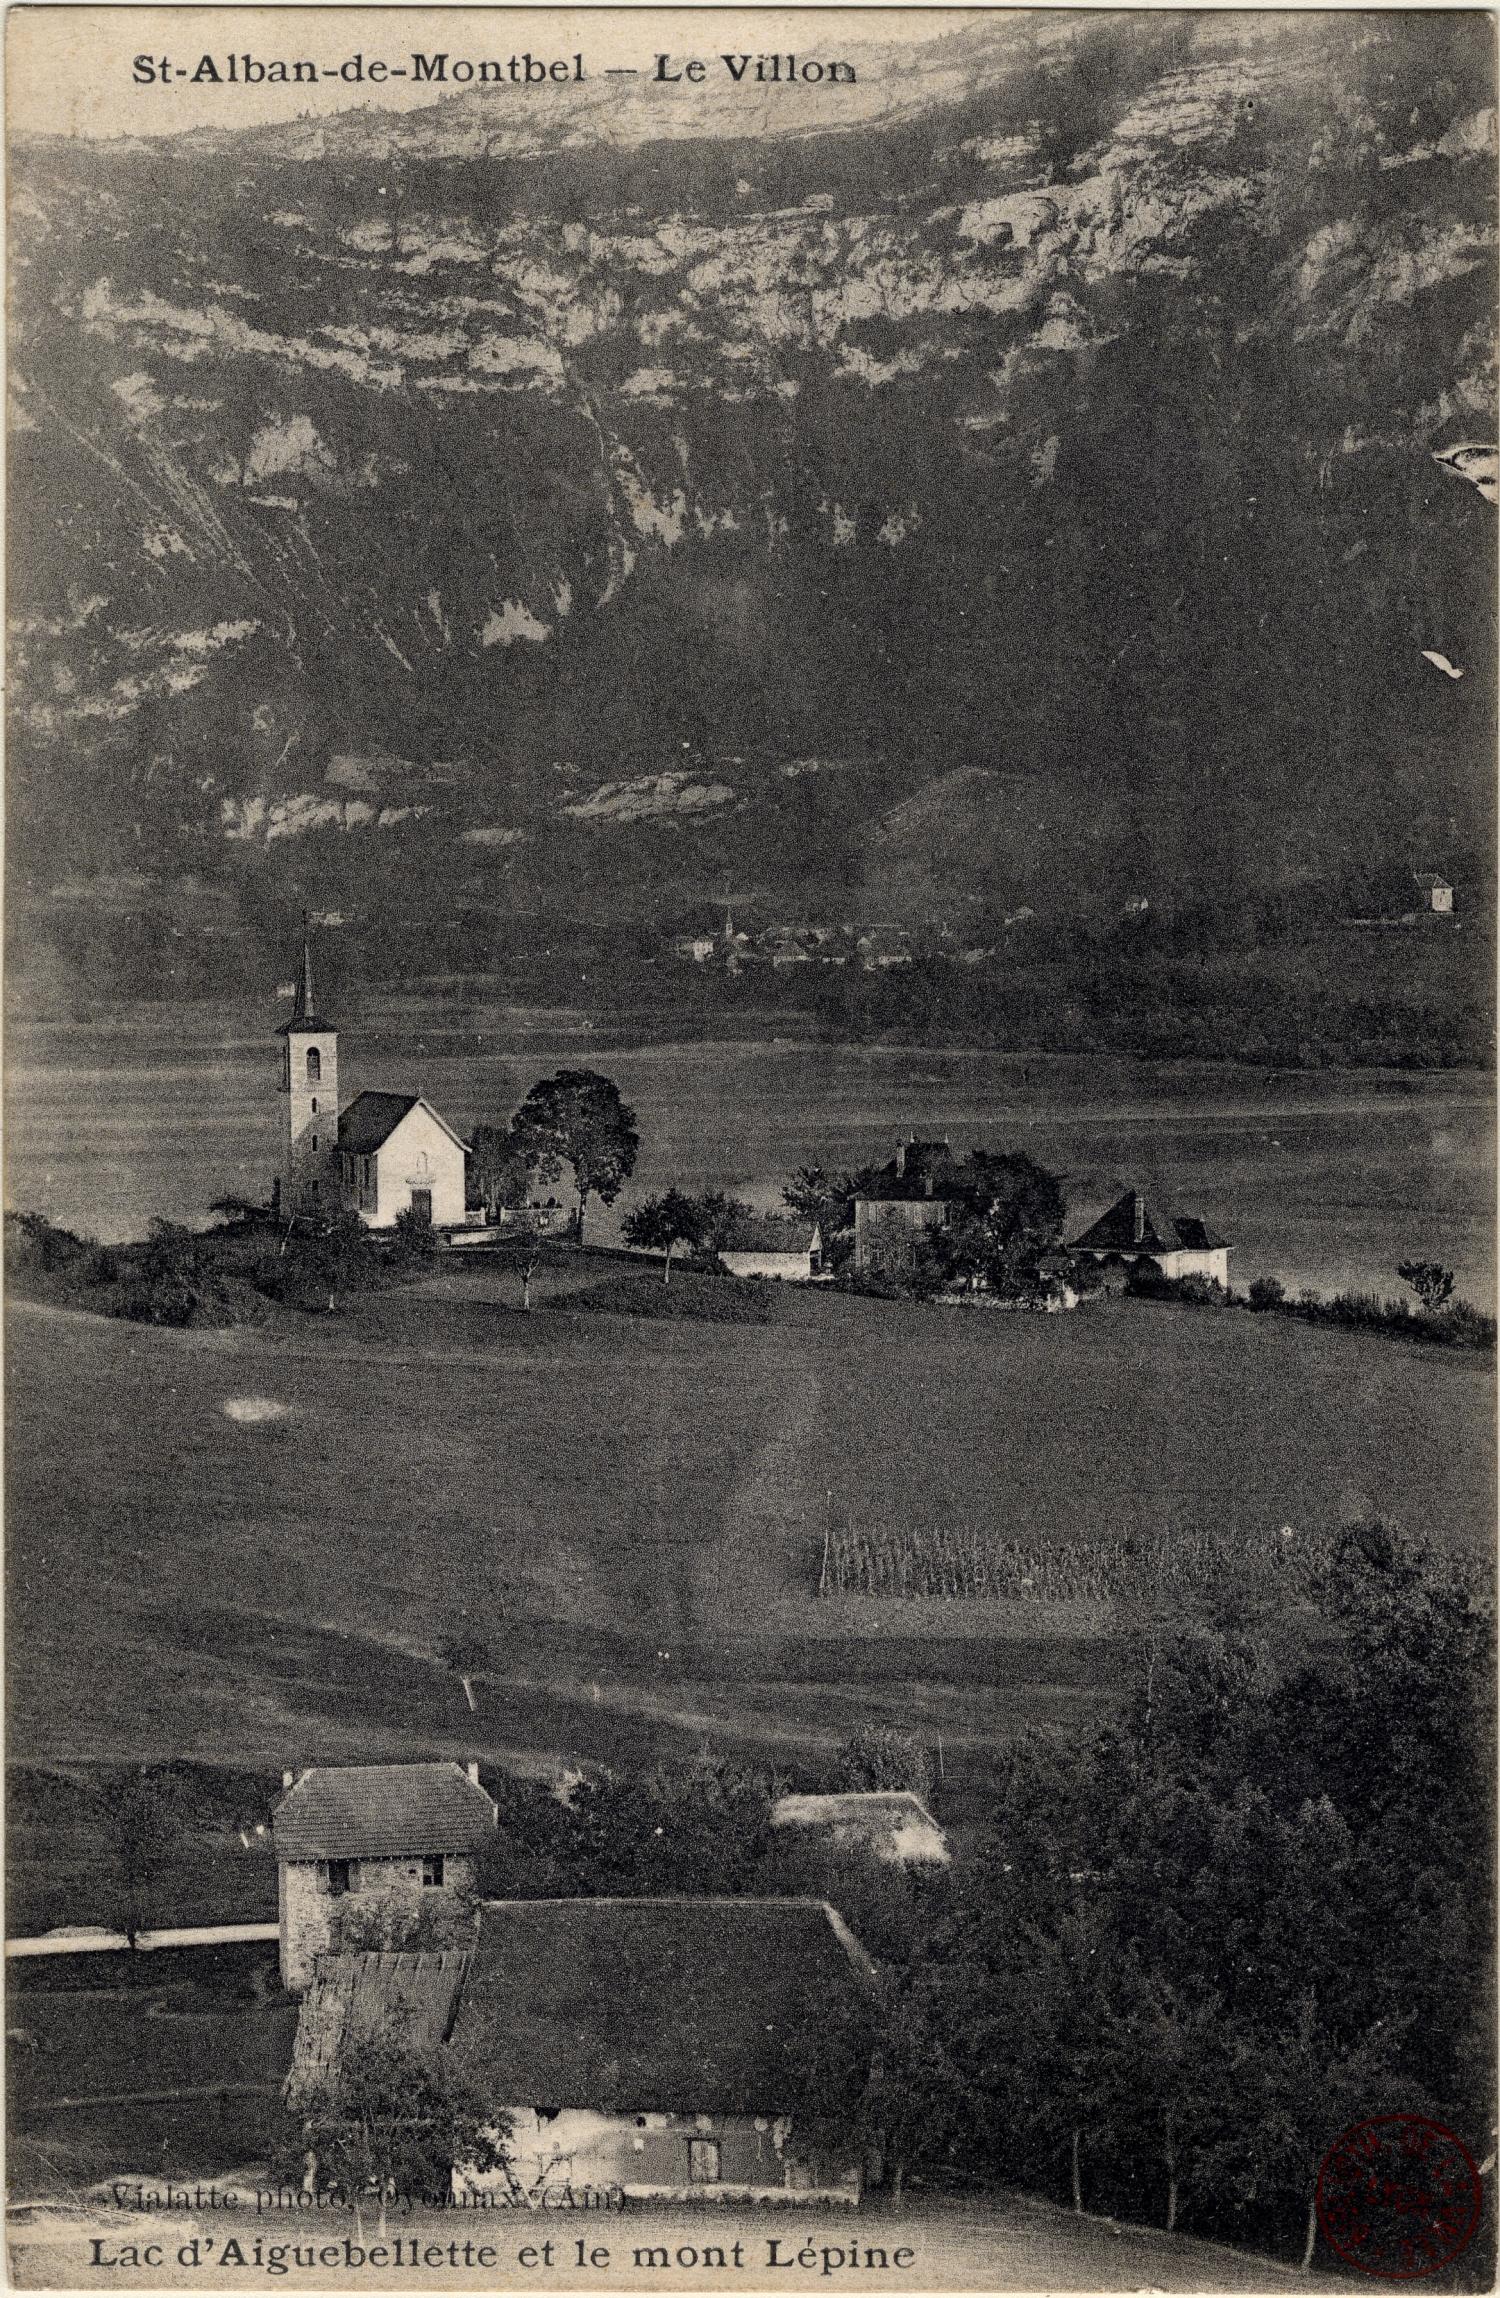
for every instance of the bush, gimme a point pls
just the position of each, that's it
(414, 1241)
(1267, 1293)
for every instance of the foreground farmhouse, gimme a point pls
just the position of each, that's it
(652, 2046)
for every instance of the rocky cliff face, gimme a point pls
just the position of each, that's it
(1013, 480)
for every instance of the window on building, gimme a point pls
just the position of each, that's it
(338, 1877)
(314, 1064)
(703, 2161)
(432, 1869)
(315, 1141)
(315, 1105)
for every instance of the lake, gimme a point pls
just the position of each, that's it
(1324, 1178)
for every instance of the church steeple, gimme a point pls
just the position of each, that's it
(304, 1005)
(305, 1014)
(310, 1080)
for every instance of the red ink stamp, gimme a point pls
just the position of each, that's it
(1398, 2197)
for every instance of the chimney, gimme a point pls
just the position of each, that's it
(289, 1779)
(1138, 1209)
(473, 1771)
(900, 1160)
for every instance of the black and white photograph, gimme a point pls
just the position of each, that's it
(750, 1234)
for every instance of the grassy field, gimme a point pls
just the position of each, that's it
(248, 1546)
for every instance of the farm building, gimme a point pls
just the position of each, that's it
(377, 1837)
(906, 1196)
(1180, 1245)
(652, 2045)
(1436, 893)
(893, 1823)
(767, 1245)
(386, 1154)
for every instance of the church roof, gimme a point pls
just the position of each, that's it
(371, 1118)
(380, 1810)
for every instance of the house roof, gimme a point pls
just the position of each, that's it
(772, 1233)
(1431, 882)
(667, 2005)
(380, 1811)
(896, 1823)
(409, 1999)
(1133, 1226)
(371, 1118)
(918, 1169)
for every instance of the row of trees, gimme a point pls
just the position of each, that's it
(1252, 1913)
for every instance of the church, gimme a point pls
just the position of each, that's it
(385, 1155)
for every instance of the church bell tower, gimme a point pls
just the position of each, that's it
(310, 1083)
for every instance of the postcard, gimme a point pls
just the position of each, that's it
(750, 1249)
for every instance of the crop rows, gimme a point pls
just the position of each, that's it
(963, 1563)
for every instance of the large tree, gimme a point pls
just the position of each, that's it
(390, 2120)
(578, 1119)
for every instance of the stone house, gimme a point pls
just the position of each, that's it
(650, 2049)
(1436, 893)
(383, 1837)
(907, 1195)
(1181, 1245)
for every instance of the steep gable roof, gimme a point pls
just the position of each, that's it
(669, 2005)
(371, 1118)
(1133, 1226)
(380, 1811)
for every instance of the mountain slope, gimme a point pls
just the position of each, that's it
(384, 487)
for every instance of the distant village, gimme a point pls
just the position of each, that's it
(879, 944)
(391, 1158)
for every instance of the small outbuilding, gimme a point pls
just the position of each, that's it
(893, 1823)
(1436, 893)
(769, 1245)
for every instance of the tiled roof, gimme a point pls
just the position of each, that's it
(380, 1811)
(371, 1119)
(664, 2005)
(919, 1169)
(408, 1998)
(1132, 1226)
